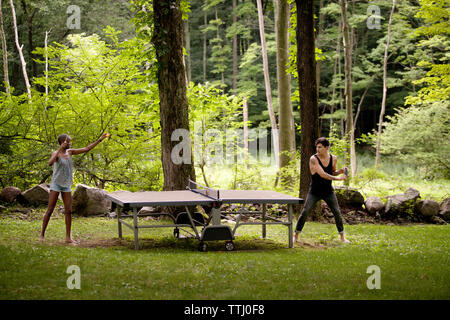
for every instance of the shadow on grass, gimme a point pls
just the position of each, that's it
(247, 243)
(191, 244)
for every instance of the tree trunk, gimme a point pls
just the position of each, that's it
(336, 62)
(245, 116)
(168, 42)
(205, 23)
(349, 129)
(319, 29)
(19, 49)
(46, 65)
(383, 102)
(5, 53)
(273, 120)
(29, 17)
(235, 56)
(341, 103)
(187, 58)
(309, 111)
(287, 132)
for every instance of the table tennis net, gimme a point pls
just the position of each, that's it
(204, 190)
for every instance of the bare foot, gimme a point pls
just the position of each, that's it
(71, 241)
(41, 239)
(345, 240)
(295, 238)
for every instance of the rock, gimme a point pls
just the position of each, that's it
(224, 221)
(401, 204)
(22, 210)
(445, 209)
(374, 205)
(349, 197)
(437, 220)
(427, 208)
(146, 210)
(112, 215)
(9, 194)
(38, 195)
(88, 201)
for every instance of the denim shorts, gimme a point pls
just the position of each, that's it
(58, 188)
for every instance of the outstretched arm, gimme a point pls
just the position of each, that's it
(89, 147)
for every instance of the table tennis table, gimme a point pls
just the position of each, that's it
(198, 195)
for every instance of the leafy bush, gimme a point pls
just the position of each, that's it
(93, 87)
(420, 134)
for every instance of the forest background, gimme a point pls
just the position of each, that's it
(102, 78)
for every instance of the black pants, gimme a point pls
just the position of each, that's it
(311, 200)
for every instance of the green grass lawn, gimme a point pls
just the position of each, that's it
(413, 259)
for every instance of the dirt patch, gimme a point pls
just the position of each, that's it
(316, 244)
(102, 243)
(172, 243)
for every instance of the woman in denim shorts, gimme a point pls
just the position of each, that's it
(62, 181)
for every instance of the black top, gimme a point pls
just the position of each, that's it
(320, 186)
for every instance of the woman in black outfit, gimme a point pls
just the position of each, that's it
(323, 169)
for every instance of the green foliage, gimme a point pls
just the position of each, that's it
(371, 174)
(338, 146)
(94, 87)
(214, 120)
(289, 175)
(435, 15)
(419, 134)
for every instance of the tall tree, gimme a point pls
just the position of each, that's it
(19, 49)
(5, 52)
(273, 120)
(235, 48)
(205, 24)
(349, 128)
(168, 42)
(286, 118)
(383, 101)
(187, 59)
(306, 66)
(30, 12)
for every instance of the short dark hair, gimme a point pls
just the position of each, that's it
(62, 138)
(323, 141)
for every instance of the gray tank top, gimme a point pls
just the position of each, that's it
(62, 172)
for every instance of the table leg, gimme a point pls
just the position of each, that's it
(290, 209)
(119, 224)
(264, 220)
(136, 234)
(189, 214)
